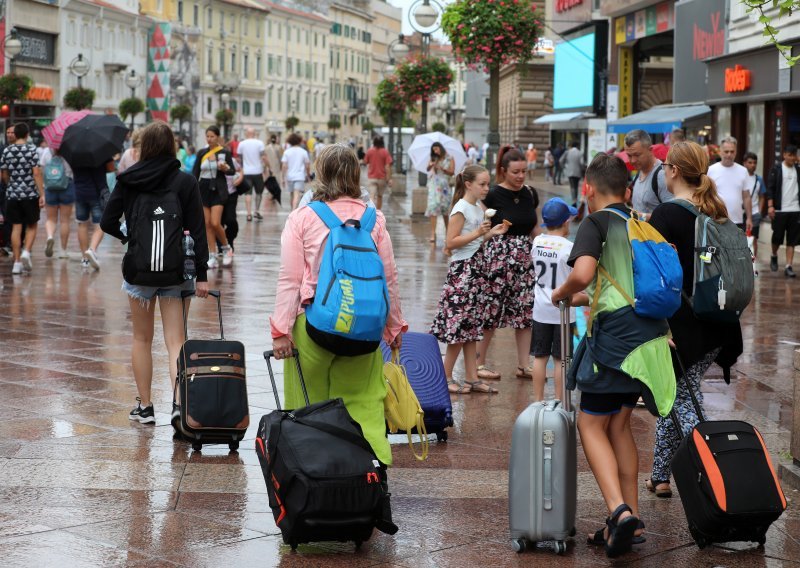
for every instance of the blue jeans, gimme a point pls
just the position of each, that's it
(84, 208)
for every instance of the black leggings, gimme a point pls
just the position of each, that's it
(573, 187)
(229, 218)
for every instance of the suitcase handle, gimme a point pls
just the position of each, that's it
(674, 415)
(188, 294)
(268, 355)
(566, 360)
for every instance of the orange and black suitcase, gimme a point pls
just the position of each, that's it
(727, 483)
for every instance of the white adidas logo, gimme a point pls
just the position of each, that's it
(158, 211)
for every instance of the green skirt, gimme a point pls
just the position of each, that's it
(358, 381)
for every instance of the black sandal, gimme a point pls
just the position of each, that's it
(599, 537)
(620, 533)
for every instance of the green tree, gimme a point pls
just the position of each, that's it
(180, 113)
(785, 8)
(79, 98)
(130, 107)
(368, 126)
(489, 35)
(334, 124)
(291, 122)
(439, 127)
(14, 87)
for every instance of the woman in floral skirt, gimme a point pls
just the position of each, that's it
(508, 265)
(459, 322)
(440, 168)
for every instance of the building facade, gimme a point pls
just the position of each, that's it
(350, 61)
(476, 107)
(386, 29)
(296, 70)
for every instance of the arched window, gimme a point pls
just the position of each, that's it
(245, 108)
(259, 108)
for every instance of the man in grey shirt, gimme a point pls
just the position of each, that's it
(646, 194)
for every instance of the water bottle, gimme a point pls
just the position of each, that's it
(189, 270)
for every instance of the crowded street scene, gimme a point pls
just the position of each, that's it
(399, 283)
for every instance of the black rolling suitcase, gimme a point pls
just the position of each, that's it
(212, 386)
(728, 486)
(323, 479)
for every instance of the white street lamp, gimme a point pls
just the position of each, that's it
(180, 91)
(426, 15)
(79, 67)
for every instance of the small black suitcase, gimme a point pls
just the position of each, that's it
(212, 387)
(727, 483)
(323, 479)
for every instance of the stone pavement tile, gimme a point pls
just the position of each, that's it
(270, 552)
(9, 413)
(223, 478)
(60, 403)
(240, 503)
(64, 345)
(448, 483)
(89, 474)
(691, 556)
(13, 525)
(449, 455)
(13, 373)
(152, 563)
(32, 429)
(56, 548)
(492, 555)
(166, 534)
(14, 390)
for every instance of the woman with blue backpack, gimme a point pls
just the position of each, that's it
(59, 199)
(700, 339)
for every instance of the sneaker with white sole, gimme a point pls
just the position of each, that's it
(85, 263)
(227, 256)
(48, 247)
(63, 254)
(212, 262)
(142, 415)
(91, 256)
(25, 257)
(17, 268)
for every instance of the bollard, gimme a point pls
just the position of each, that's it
(419, 201)
(399, 184)
(790, 473)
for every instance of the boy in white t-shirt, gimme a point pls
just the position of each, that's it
(550, 253)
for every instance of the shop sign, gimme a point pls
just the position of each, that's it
(37, 47)
(699, 35)
(737, 79)
(708, 43)
(40, 94)
(625, 81)
(564, 5)
(544, 46)
(645, 22)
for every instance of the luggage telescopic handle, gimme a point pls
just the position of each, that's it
(268, 355)
(188, 294)
(674, 415)
(566, 360)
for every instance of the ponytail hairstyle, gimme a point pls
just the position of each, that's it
(468, 174)
(505, 156)
(692, 164)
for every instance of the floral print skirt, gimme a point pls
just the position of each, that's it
(439, 196)
(460, 317)
(510, 281)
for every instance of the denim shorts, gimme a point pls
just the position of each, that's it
(83, 208)
(147, 293)
(296, 185)
(60, 197)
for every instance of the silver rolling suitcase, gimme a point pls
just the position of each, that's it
(543, 478)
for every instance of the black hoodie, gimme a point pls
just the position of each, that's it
(158, 174)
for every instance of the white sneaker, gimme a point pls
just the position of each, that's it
(48, 247)
(91, 256)
(227, 256)
(25, 257)
(17, 268)
(85, 263)
(212, 262)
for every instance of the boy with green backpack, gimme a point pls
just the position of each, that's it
(624, 354)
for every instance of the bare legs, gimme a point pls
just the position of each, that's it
(434, 222)
(214, 230)
(523, 339)
(83, 236)
(64, 212)
(470, 365)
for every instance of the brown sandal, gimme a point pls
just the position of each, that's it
(653, 488)
(459, 388)
(480, 386)
(484, 373)
(524, 373)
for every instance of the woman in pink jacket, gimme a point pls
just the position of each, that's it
(358, 380)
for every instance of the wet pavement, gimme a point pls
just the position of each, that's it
(80, 485)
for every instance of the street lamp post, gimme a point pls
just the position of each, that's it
(397, 50)
(79, 67)
(13, 47)
(132, 80)
(225, 97)
(180, 93)
(423, 15)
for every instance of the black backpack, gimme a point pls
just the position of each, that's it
(155, 233)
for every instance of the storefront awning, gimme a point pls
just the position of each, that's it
(659, 119)
(561, 117)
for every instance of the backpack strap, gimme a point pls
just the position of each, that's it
(326, 214)
(654, 182)
(368, 219)
(688, 205)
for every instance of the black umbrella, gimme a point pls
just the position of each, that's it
(274, 188)
(93, 140)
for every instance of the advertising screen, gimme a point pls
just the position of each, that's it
(575, 74)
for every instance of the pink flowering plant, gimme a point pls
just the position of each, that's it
(389, 99)
(492, 33)
(422, 77)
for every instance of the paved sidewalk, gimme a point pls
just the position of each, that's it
(82, 486)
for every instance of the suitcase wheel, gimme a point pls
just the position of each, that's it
(573, 532)
(441, 436)
(560, 547)
(233, 446)
(519, 545)
(197, 446)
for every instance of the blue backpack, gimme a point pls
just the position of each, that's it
(351, 304)
(657, 271)
(55, 175)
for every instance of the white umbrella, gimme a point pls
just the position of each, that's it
(420, 151)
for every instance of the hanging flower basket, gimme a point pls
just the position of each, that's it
(390, 99)
(14, 87)
(224, 117)
(492, 33)
(79, 98)
(421, 77)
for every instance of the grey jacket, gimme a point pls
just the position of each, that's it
(572, 162)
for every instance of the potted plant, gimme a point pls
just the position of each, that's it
(439, 127)
(334, 124)
(420, 77)
(180, 113)
(291, 122)
(14, 87)
(488, 34)
(79, 98)
(130, 107)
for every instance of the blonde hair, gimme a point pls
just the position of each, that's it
(338, 173)
(468, 174)
(136, 138)
(691, 161)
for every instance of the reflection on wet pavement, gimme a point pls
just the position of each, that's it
(80, 485)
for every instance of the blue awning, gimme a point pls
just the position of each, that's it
(659, 119)
(560, 117)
